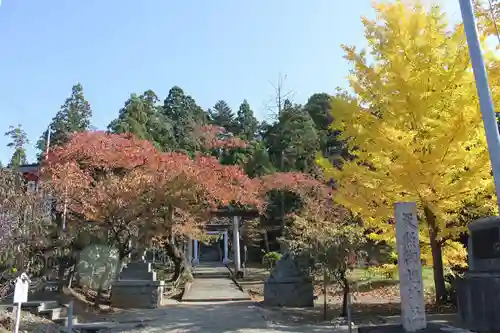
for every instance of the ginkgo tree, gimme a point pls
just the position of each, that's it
(414, 128)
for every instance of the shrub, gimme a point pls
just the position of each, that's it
(452, 278)
(270, 258)
(386, 271)
(393, 257)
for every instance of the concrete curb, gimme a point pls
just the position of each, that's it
(231, 274)
(214, 300)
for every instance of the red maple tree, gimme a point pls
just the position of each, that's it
(131, 189)
(102, 178)
(301, 183)
(217, 137)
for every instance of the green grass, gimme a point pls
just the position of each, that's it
(367, 280)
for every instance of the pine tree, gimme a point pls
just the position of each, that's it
(18, 142)
(246, 123)
(186, 117)
(292, 142)
(319, 107)
(73, 116)
(259, 163)
(222, 115)
(141, 115)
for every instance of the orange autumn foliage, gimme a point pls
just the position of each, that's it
(125, 183)
(119, 179)
(216, 137)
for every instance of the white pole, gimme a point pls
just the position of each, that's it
(483, 90)
(18, 318)
(70, 317)
(47, 143)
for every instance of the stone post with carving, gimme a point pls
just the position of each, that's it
(410, 267)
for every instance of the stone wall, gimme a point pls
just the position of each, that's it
(129, 294)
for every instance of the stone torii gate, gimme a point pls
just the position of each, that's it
(224, 220)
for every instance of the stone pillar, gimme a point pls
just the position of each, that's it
(236, 244)
(225, 261)
(410, 267)
(196, 259)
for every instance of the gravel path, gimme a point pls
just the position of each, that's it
(221, 317)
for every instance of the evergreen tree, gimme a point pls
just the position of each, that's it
(293, 141)
(141, 115)
(73, 116)
(259, 163)
(319, 108)
(222, 115)
(246, 123)
(186, 117)
(19, 140)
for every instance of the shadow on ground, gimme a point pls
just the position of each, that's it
(242, 317)
(362, 314)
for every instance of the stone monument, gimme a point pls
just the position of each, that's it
(137, 287)
(410, 267)
(478, 294)
(288, 285)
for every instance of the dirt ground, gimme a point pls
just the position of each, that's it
(372, 300)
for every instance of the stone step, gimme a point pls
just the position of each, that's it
(94, 327)
(138, 275)
(140, 266)
(51, 305)
(213, 290)
(35, 305)
(48, 305)
(64, 321)
(55, 313)
(211, 275)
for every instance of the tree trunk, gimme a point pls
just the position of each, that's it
(71, 276)
(437, 257)
(60, 273)
(77, 275)
(100, 289)
(266, 241)
(178, 257)
(119, 264)
(346, 291)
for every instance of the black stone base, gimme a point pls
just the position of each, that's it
(478, 296)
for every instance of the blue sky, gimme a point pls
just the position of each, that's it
(220, 49)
